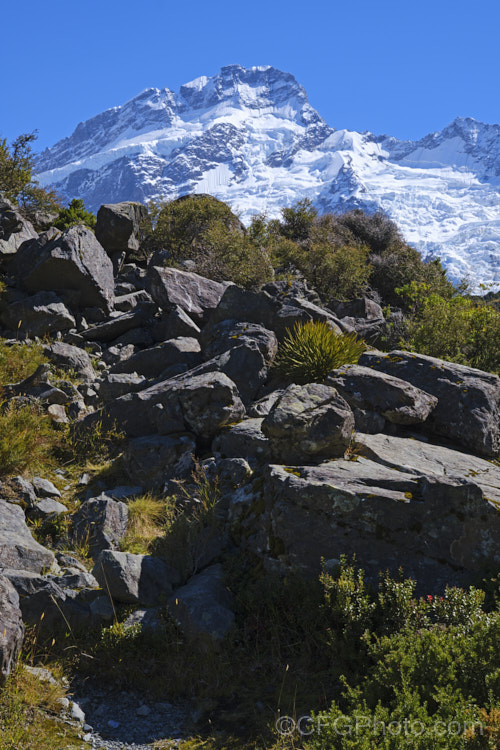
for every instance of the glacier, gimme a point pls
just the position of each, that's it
(250, 137)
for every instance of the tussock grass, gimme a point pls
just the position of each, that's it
(150, 517)
(29, 711)
(19, 361)
(311, 350)
(28, 439)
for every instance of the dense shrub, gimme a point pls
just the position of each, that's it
(205, 230)
(457, 329)
(75, 213)
(312, 350)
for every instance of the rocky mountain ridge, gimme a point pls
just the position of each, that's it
(251, 138)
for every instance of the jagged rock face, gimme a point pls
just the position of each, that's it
(118, 226)
(135, 579)
(250, 137)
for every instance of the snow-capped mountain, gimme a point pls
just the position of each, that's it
(250, 137)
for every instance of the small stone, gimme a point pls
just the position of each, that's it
(143, 711)
(113, 724)
(44, 488)
(76, 713)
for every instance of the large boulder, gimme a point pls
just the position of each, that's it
(18, 549)
(393, 398)
(73, 261)
(40, 314)
(200, 404)
(118, 226)
(14, 229)
(309, 421)
(468, 408)
(194, 294)
(100, 523)
(135, 579)
(440, 529)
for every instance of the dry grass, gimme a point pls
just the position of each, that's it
(28, 439)
(150, 517)
(19, 361)
(29, 715)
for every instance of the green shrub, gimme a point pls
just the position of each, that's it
(74, 214)
(456, 329)
(205, 230)
(312, 350)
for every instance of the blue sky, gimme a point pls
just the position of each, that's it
(401, 68)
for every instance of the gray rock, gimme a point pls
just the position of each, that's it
(259, 307)
(114, 385)
(118, 325)
(395, 399)
(468, 408)
(263, 406)
(309, 421)
(135, 579)
(417, 456)
(152, 362)
(18, 549)
(50, 607)
(68, 357)
(118, 226)
(128, 302)
(363, 307)
(195, 294)
(14, 229)
(101, 523)
(148, 619)
(203, 605)
(11, 628)
(201, 404)
(48, 507)
(44, 488)
(440, 530)
(218, 338)
(245, 440)
(73, 260)
(24, 490)
(39, 315)
(174, 323)
(155, 459)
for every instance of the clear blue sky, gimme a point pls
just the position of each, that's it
(396, 67)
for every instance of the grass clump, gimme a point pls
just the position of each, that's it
(19, 361)
(28, 439)
(28, 715)
(149, 517)
(312, 350)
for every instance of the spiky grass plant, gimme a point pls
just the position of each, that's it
(149, 518)
(312, 350)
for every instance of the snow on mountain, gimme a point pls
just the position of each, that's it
(251, 138)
